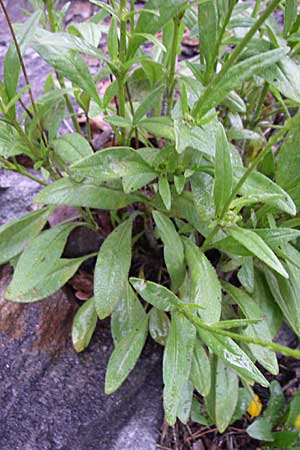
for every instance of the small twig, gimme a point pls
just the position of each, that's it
(25, 108)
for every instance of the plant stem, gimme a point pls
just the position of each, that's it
(131, 20)
(172, 68)
(121, 75)
(13, 35)
(260, 103)
(198, 323)
(20, 169)
(198, 109)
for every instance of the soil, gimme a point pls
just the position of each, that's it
(51, 398)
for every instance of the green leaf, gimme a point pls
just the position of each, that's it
(200, 371)
(208, 32)
(147, 104)
(37, 260)
(205, 285)
(265, 356)
(293, 410)
(72, 147)
(257, 247)
(233, 356)
(86, 194)
(114, 162)
(112, 40)
(260, 185)
(111, 270)
(276, 237)
(185, 402)
(118, 121)
(11, 65)
(89, 31)
(246, 275)
(17, 234)
(84, 324)
(125, 356)
(284, 76)
(164, 191)
(173, 248)
(223, 171)
(159, 324)
(261, 429)
(158, 126)
(176, 364)
(127, 313)
(226, 395)
(155, 294)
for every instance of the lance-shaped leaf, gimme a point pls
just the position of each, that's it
(226, 395)
(233, 356)
(165, 191)
(265, 356)
(257, 247)
(127, 313)
(112, 267)
(176, 364)
(173, 248)
(125, 356)
(208, 31)
(155, 294)
(34, 263)
(185, 402)
(17, 234)
(87, 194)
(84, 324)
(223, 171)
(115, 162)
(205, 285)
(159, 324)
(200, 371)
(72, 147)
(54, 278)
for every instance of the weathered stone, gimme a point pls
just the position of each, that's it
(52, 398)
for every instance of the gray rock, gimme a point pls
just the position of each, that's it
(52, 398)
(16, 194)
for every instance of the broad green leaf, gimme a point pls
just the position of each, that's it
(202, 190)
(185, 402)
(146, 105)
(114, 162)
(234, 77)
(276, 237)
(164, 191)
(261, 429)
(127, 313)
(86, 194)
(242, 404)
(205, 285)
(151, 38)
(173, 248)
(226, 395)
(111, 270)
(112, 40)
(201, 138)
(223, 171)
(287, 293)
(288, 165)
(89, 31)
(72, 147)
(200, 370)
(159, 324)
(17, 234)
(259, 184)
(233, 356)
(66, 61)
(155, 294)
(84, 324)
(55, 278)
(257, 247)
(176, 364)
(264, 299)
(118, 121)
(284, 76)
(37, 260)
(208, 32)
(265, 356)
(158, 126)
(246, 275)
(11, 65)
(124, 356)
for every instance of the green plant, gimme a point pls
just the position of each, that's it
(207, 159)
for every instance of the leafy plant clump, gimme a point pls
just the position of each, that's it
(204, 165)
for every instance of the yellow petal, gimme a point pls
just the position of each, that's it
(255, 406)
(297, 422)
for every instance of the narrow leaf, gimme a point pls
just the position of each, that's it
(84, 324)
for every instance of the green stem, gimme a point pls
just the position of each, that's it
(172, 68)
(20, 169)
(240, 337)
(131, 20)
(260, 103)
(198, 109)
(122, 58)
